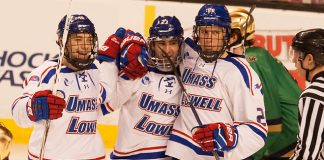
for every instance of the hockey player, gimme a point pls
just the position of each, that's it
(73, 115)
(149, 105)
(307, 52)
(225, 92)
(280, 90)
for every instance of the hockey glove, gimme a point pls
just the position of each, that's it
(216, 136)
(110, 49)
(44, 105)
(133, 58)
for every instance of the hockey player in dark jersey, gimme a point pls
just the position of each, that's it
(280, 90)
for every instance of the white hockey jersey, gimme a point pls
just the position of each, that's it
(149, 107)
(227, 91)
(75, 134)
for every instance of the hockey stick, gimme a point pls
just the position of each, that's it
(246, 25)
(176, 73)
(57, 75)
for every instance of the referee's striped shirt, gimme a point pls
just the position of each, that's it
(311, 121)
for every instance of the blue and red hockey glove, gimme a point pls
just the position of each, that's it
(109, 51)
(216, 136)
(45, 105)
(133, 57)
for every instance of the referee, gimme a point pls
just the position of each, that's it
(307, 52)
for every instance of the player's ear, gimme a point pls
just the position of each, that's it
(233, 38)
(310, 60)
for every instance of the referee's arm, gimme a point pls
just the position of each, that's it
(310, 137)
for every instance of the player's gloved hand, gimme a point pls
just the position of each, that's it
(110, 49)
(216, 136)
(133, 57)
(45, 105)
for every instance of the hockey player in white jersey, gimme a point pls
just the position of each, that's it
(225, 92)
(73, 115)
(149, 105)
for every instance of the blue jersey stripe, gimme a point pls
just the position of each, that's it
(92, 66)
(103, 94)
(242, 69)
(102, 58)
(258, 132)
(104, 109)
(49, 75)
(196, 149)
(152, 155)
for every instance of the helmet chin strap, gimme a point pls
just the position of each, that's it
(307, 70)
(231, 48)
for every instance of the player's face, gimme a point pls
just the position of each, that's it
(298, 60)
(169, 45)
(80, 45)
(211, 38)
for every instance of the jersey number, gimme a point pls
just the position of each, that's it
(260, 117)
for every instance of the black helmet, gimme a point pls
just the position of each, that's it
(310, 42)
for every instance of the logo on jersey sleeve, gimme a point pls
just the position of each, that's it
(251, 59)
(258, 87)
(34, 78)
(146, 80)
(195, 79)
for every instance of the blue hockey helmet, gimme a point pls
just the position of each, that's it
(166, 26)
(213, 14)
(79, 23)
(163, 28)
(210, 16)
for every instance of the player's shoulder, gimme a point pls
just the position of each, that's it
(236, 66)
(189, 49)
(45, 66)
(256, 49)
(40, 72)
(235, 61)
(256, 52)
(95, 65)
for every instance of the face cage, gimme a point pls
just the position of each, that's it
(210, 55)
(76, 62)
(163, 64)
